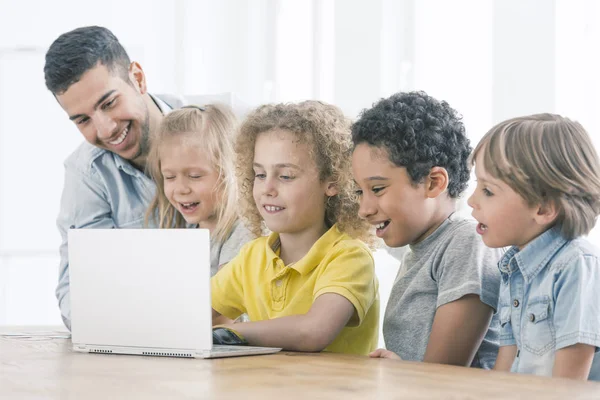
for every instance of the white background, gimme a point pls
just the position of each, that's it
(490, 59)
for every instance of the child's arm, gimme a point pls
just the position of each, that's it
(574, 361)
(311, 332)
(457, 331)
(506, 357)
(218, 319)
(575, 318)
(468, 282)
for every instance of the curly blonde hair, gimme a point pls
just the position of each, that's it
(325, 128)
(210, 129)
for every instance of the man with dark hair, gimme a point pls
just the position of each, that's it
(106, 96)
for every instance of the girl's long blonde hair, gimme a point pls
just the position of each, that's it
(210, 129)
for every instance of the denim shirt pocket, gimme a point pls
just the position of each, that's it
(539, 335)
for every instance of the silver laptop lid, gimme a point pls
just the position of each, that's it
(141, 288)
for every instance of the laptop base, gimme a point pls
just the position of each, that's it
(218, 351)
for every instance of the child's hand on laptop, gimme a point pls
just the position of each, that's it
(228, 336)
(383, 353)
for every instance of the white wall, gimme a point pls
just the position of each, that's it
(490, 59)
(36, 136)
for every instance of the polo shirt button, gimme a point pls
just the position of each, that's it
(515, 303)
(278, 283)
(532, 317)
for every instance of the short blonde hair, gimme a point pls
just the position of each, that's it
(325, 128)
(211, 129)
(547, 158)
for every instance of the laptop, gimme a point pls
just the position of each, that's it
(144, 292)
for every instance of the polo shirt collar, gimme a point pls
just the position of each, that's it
(314, 256)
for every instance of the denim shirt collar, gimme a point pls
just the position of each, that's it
(534, 257)
(125, 165)
(164, 107)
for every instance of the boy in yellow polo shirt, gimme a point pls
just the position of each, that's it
(310, 285)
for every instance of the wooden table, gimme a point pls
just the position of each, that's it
(42, 367)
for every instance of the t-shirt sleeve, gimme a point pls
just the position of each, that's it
(577, 303)
(226, 287)
(350, 272)
(468, 266)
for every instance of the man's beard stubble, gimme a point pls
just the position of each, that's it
(144, 147)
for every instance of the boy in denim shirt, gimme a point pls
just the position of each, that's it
(538, 190)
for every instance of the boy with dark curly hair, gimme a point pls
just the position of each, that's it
(410, 162)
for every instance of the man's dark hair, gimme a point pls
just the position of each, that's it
(77, 51)
(418, 132)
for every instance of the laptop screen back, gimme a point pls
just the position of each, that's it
(141, 288)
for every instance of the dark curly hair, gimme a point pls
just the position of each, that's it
(419, 133)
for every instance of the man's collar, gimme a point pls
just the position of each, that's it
(162, 106)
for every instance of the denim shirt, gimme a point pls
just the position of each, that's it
(101, 190)
(549, 300)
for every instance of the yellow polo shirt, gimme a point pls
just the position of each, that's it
(257, 282)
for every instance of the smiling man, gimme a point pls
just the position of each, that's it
(105, 95)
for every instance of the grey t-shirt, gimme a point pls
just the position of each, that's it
(221, 253)
(449, 264)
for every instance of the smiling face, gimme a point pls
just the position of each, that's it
(190, 181)
(505, 218)
(110, 112)
(287, 190)
(401, 211)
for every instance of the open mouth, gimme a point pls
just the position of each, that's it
(273, 209)
(122, 136)
(188, 207)
(481, 228)
(381, 227)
